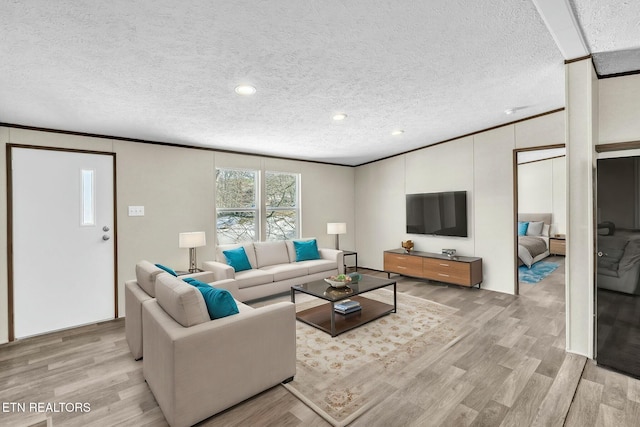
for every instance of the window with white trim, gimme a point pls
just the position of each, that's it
(256, 205)
(282, 205)
(236, 205)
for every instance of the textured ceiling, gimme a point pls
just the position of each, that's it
(611, 29)
(165, 71)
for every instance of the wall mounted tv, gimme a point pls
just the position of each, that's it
(440, 214)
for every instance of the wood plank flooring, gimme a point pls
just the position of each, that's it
(509, 370)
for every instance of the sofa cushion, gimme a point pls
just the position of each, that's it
(286, 271)
(248, 249)
(169, 270)
(219, 302)
(291, 249)
(146, 274)
(271, 253)
(237, 258)
(307, 250)
(319, 265)
(181, 301)
(249, 278)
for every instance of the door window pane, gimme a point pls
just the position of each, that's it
(88, 197)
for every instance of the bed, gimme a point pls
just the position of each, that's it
(533, 237)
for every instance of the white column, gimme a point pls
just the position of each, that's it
(582, 135)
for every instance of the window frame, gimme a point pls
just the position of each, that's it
(261, 210)
(256, 209)
(296, 208)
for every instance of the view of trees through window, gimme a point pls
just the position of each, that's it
(282, 201)
(238, 210)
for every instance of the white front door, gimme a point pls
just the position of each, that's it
(63, 239)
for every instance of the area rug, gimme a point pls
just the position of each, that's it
(342, 377)
(537, 272)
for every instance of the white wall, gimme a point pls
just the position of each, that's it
(481, 164)
(176, 187)
(541, 189)
(444, 167)
(559, 196)
(535, 187)
(619, 104)
(379, 209)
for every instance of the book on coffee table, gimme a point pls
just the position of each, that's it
(347, 304)
(351, 310)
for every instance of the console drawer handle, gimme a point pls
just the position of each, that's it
(401, 257)
(445, 265)
(399, 266)
(442, 274)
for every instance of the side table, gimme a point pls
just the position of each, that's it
(348, 253)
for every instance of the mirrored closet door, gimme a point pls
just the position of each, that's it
(618, 264)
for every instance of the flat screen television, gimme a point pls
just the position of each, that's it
(439, 214)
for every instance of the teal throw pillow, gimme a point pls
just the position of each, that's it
(167, 269)
(220, 302)
(237, 258)
(522, 228)
(306, 250)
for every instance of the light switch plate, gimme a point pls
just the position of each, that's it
(136, 210)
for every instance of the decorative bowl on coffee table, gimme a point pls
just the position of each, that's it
(338, 283)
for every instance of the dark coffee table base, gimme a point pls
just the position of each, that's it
(320, 316)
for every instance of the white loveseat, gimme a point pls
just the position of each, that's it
(136, 292)
(274, 269)
(197, 367)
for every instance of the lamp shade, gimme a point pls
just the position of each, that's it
(336, 228)
(193, 239)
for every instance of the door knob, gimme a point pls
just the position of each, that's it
(600, 253)
(105, 228)
(105, 237)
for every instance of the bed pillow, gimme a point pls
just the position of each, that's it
(535, 228)
(522, 228)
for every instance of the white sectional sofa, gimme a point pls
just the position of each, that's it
(274, 269)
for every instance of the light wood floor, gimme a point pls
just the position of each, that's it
(511, 369)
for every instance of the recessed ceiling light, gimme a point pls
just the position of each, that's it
(339, 116)
(245, 90)
(510, 111)
(397, 132)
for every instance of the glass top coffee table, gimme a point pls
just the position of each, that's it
(324, 316)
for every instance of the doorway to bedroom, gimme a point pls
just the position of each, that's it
(540, 212)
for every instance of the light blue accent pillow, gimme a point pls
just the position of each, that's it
(167, 269)
(237, 258)
(306, 250)
(220, 302)
(522, 228)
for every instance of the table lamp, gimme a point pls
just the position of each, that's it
(337, 228)
(192, 240)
